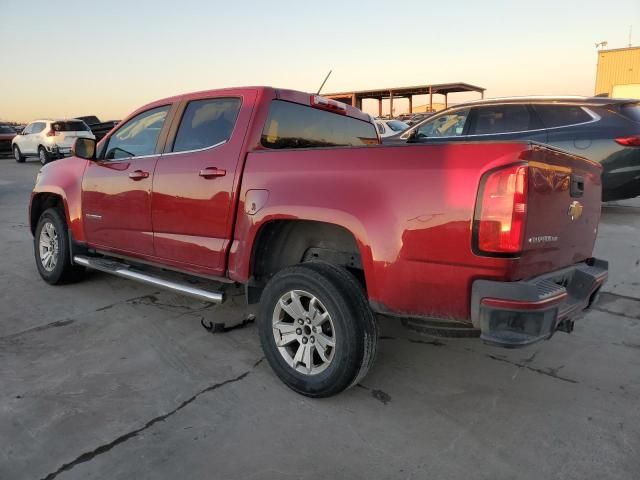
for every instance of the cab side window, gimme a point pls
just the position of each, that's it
(137, 137)
(448, 125)
(206, 123)
(28, 129)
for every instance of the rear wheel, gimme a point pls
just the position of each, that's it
(43, 156)
(51, 248)
(316, 329)
(17, 154)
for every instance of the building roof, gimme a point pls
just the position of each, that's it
(438, 88)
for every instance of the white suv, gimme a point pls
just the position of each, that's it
(48, 139)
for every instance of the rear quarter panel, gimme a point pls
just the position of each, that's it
(410, 209)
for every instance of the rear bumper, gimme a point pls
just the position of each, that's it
(58, 151)
(516, 314)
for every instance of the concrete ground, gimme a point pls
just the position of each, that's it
(108, 379)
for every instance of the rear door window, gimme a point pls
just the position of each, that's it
(446, 125)
(291, 125)
(631, 111)
(139, 136)
(37, 127)
(561, 115)
(500, 119)
(206, 123)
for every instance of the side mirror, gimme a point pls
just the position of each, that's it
(84, 148)
(413, 135)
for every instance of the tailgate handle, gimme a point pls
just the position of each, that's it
(577, 186)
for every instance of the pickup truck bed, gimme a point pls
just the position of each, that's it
(293, 197)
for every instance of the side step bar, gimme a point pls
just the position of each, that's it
(125, 271)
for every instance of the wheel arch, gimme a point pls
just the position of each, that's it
(43, 201)
(280, 243)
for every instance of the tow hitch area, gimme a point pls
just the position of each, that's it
(516, 314)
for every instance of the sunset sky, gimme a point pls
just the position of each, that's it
(107, 58)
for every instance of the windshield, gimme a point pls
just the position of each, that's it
(6, 129)
(397, 125)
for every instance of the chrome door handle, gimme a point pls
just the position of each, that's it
(138, 175)
(212, 172)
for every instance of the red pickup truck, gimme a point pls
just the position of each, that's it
(291, 195)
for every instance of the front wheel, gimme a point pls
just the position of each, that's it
(51, 248)
(17, 154)
(316, 328)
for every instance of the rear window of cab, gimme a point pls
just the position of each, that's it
(291, 125)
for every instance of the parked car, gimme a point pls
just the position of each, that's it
(259, 186)
(48, 139)
(98, 128)
(606, 130)
(7, 134)
(390, 127)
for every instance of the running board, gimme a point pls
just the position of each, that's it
(125, 271)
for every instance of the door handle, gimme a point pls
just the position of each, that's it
(138, 175)
(212, 172)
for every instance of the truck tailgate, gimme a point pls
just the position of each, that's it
(563, 211)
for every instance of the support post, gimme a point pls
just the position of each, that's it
(410, 103)
(390, 103)
(380, 107)
(446, 101)
(353, 99)
(430, 99)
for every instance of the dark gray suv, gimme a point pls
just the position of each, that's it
(606, 130)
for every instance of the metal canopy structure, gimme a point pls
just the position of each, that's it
(355, 98)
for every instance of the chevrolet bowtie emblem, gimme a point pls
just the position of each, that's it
(575, 210)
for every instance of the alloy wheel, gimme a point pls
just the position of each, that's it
(304, 332)
(48, 246)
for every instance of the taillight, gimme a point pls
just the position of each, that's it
(323, 103)
(51, 133)
(501, 210)
(631, 141)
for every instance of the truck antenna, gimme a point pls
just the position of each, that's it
(324, 81)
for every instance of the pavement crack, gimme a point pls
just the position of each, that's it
(88, 456)
(550, 372)
(39, 328)
(617, 314)
(380, 395)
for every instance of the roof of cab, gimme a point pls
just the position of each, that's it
(296, 96)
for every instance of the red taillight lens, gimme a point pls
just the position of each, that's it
(502, 213)
(632, 141)
(51, 133)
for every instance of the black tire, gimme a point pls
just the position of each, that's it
(356, 330)
(63, 271)
(43, 155)
(17, 154)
